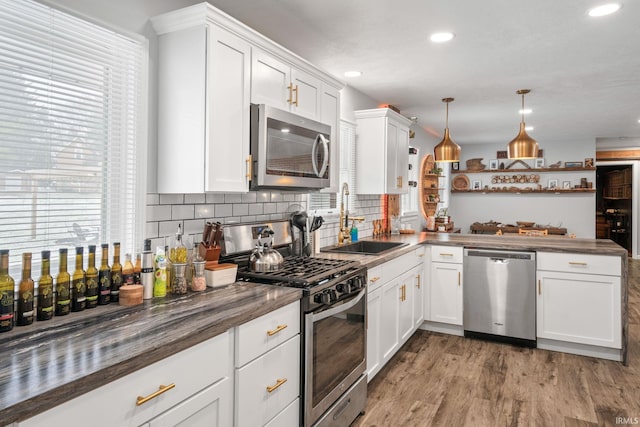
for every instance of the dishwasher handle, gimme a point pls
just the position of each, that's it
(500, 255)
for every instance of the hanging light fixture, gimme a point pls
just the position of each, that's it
(447, 150)
(522, 146)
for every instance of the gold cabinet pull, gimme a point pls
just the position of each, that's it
(141, 400)
(421, 255)
(279, 382)
(576, 263)
(459, 278)
(418, 277)
(399, 182)
(297, 94)
(539, 287)
(276, 330)
(401, 291)
(290, 87)
(249, 167)
(445, 254)
(374, 279)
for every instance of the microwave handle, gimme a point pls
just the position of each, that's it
(325, 163)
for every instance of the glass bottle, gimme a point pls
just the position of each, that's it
(7, 288)
(25, 293)
(78, 284)
(178, 279)
(160, 274)
(104, 276)
(137, 270)
(91, 279)
(168, 269)
(45, 289)
(146, 274)
(63, 286)
(198, 281)
(116, 273)
(127, 271)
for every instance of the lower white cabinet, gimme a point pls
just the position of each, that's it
(577, 305)
(209, 407)
(395, 307)
(267, 375)
(445, 285)
(194, 388)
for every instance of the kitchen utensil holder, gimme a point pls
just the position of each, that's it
(209, 253)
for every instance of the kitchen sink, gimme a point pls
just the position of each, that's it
(365, 247)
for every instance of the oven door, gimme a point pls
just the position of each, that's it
(335, 352)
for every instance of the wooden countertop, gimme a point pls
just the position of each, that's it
(50, 362)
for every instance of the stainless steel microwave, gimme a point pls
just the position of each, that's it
(288, 151)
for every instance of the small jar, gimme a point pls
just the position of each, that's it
(178, 279)
(198, 281)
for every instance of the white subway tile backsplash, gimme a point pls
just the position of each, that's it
(153, 199)
(240, 209)
(195, 198)
(182, 212)
(250, 197)
(282, 207)
(204, 211)
(214, 198)
(193, 226)
(168, 228)
(263, 196)
(158, 213)
(223, 211)
(288, 197)
(150, 230)
(276, 197)
(270, 208)
(171, 199)
(233, 198)
(256, 209)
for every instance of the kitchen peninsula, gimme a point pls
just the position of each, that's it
(84, 355)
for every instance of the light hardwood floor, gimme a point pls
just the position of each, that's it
(443, 380)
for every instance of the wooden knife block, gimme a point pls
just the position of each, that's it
(209, 253)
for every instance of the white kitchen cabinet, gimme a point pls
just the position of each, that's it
(445, 285)
(382, 144)
(208, 407)
(200, 387)
(394, 307)
(267, 379)
(374, 319)
(576, 304)
(278, 84)
(203, 105)
(389, 320)
(418, 298)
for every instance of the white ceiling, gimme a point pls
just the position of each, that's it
(584, 72)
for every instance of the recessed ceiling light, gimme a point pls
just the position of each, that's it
(525, 111)
(605, 9)
(284, 130)
(441, 37)
(529, 128)
(352, 73)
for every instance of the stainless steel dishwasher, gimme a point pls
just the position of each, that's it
(500, 295)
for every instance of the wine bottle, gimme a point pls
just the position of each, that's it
(7, 288)
(91, 279)
(127, 271)
(25, 293)
(78, 284)
(116, 274)
(45, 289)
(104, 277)
(63, 286)
(137, 270)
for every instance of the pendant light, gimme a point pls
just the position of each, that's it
(522, 146)
(447, 150)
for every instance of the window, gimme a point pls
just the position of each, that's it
(71, 109)
(327, 203)
(409, 201)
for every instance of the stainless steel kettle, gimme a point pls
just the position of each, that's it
(264, 258)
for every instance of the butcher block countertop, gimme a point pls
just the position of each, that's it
(50, 362)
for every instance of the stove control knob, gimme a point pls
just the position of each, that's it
(357, 282)
(333, 295)
(340, 288)
(317, 298)
(325, 297)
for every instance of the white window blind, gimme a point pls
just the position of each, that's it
(327, 202)
(70, 118)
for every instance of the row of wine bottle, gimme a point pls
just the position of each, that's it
(73, 292)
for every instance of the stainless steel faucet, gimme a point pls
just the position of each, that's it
(344, 236)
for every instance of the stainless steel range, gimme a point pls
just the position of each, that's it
(333, 316)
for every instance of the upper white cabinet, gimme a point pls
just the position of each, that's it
(203, 107)
(276, 83)
(382, 144)
(211, 67)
